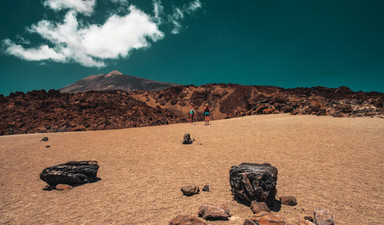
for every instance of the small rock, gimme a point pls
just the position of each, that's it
(214, 211)
(63, 187)
(190, 190)
(205, 188)
(309, 218)
(187, 139)
(323, 217)
(186, 220)
(288, 200)
(249, 222)
(44, 139)
(267, 218)
(47, 146)
(259, 206)
(304, 222)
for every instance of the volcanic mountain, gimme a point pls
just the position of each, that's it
(115, 81)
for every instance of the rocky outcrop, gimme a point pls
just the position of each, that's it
(254, 182)
(186, 220)
(72, 173)
(214, 211)
(52, 111)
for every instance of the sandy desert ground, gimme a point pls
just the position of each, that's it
(336, 163)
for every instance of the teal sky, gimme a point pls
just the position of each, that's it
(286, 43)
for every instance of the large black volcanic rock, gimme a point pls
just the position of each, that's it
(115, 81)
(72, 173)
(251, 182)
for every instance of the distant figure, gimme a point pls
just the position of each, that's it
(192, 112)
(206, 114)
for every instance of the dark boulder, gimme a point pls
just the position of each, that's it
(250, 181)
(187, 139)
(72, 173)
(205, 188)
(44, 139)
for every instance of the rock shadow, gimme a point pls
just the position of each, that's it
(53, 187)
(276, 206)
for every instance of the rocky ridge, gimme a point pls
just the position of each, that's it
(53, 111)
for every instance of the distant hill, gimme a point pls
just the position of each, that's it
(115, 81)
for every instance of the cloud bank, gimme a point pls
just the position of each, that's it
(74, 40)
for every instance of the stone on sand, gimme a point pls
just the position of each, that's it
(323, 217)
(187, 139)
(288, 200)
(259, 206)
(205, 188)
(72, 173)
(186, 220)
(214, 211)
(267, 218)
(190, 190)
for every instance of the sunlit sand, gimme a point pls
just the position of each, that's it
(325, 162)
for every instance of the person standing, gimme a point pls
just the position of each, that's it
(206, 114)
(192, 113)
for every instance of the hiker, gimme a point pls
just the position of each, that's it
(192, 112)
(206, 114)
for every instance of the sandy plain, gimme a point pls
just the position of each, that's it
(335, 163)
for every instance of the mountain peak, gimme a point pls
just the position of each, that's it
(115, 72)
(115, 80)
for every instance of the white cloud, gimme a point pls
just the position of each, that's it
(44, 52)
(178, 15)
(92, 44)
(81, 6)
(122, 2)
(193, 6)
(158, 11)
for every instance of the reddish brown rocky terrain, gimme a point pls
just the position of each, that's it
(52, 111)
(232, 100)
